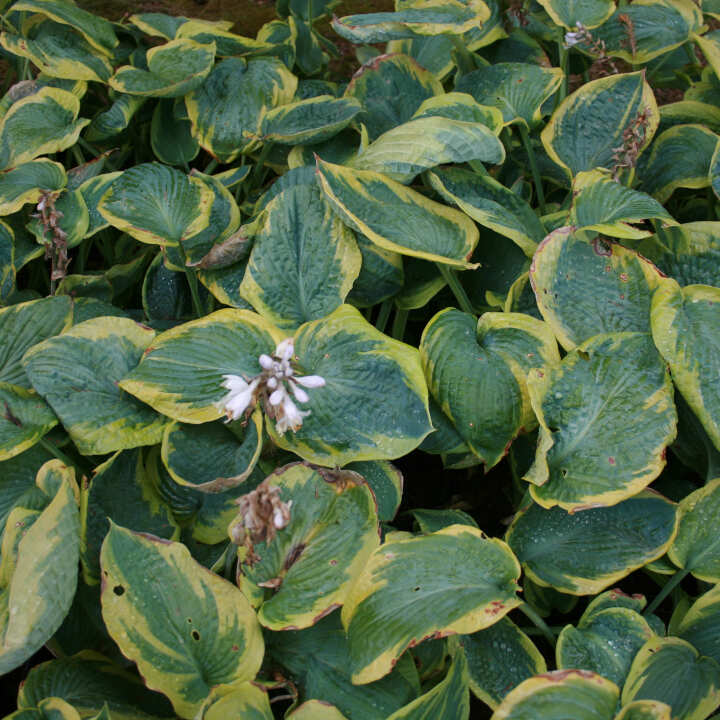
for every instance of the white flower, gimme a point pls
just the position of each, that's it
(272, 384)
(240, 397)
(573, 38)
(289, 416)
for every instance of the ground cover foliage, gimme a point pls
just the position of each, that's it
(373, 397)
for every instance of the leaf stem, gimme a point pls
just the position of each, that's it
(451, 278)
(57, 453)
(564, 55)
(530, 151)
(399, 324)
(669, 586)
(260, 164)
(192, 283)
(230, 557)
(210, 166)
(384, 314)
(538, 622)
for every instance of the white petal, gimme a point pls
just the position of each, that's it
(272, 383)
(311, 381)
(293, 416)
(236, 402)
(285, 349)
(266, 362)
(300, 394)
(234, 382)
(278, 396)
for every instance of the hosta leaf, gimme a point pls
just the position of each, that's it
(493, 356)
(491, 680)
(645, 710)
(689, 253)
(313, 560)
(606, 417)
(182, 370)
(585, 287)
(87, 681)
(120, 491)
(186, 628)
(518, 90)
(227, 43)
(381, 274)
(386, 482)
(671, 670)
(604, 642)
(25, 419)
(92, 191)
(27, 182)
(462, 107)
(684, 323)
(96, 30)
(78, 374)
(404, 151)
(43, 123)
(649, 28)
(59, 51)
(605, 206)
(316, 710)
(226, 110)
(25, 325)
(308, 121)
(681, 157)
(373, 405)
(584, 552)
(115, 119)
(37, 597)
(587, 128)
(208, 248)
(304, 260)
(429, 521)
(212, 457)
(391, 88)
(166, 26)
(17, 482)
(170, 135)
(397, 218)
(696, 547)
(405, 594)
(448, 700)
(568, 13)
(444, 17)
(243, 700)
(490, 204)
(561, 694)
(317, 660)
(174, 69)
(54, 708)
(701, 624)
(157, 204)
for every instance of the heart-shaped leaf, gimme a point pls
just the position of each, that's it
(78, 374)
(606, 417)
(397, 218)
(185, 628)
(406, 579)
(585, 552)
(684, 321)
(493, 356)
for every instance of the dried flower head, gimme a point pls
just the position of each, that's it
(262, 514)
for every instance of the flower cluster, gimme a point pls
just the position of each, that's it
(575, 38)
(271, 386)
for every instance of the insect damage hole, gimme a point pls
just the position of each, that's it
(119, 590)
(195, 635)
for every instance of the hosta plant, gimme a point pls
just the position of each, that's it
(361, 367)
